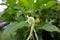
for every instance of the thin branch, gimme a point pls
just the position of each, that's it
(36, 34)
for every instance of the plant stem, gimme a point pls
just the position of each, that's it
(31, 32)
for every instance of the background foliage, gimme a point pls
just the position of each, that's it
(45, 12)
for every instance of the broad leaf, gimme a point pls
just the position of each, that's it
(26, 3)
(40, 3)
(12, 27)
(49, 27)
(11, 2)
(50, 4)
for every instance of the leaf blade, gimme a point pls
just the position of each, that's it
(49, 27)
(13, 27)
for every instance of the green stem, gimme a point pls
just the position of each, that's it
(31, 32)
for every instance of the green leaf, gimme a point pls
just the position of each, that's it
(26, 3)
(40, 3)
(12, 27)
(1, 14)
(50, 4)
(6, 17)
(49, 27)
(0, 35)
(11, 2)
